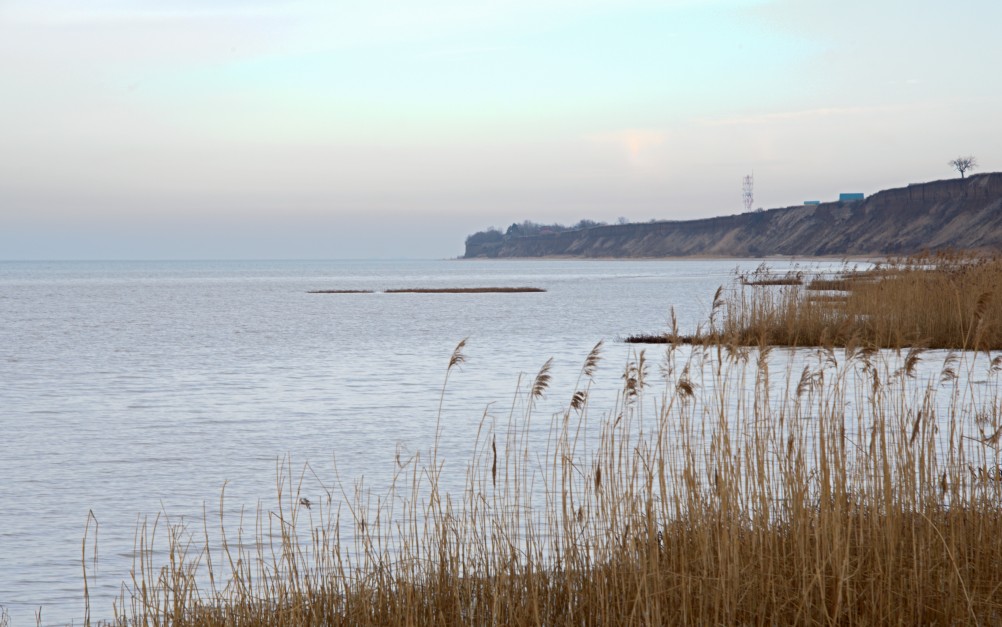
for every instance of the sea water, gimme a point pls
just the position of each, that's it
(130, 390)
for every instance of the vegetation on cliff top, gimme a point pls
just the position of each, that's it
(529, 228)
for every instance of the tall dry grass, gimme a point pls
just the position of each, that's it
(938, 301)
(857, 490)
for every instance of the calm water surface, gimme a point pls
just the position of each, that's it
(129, 389)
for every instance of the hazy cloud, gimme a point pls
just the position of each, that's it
(805, 114)
(635, 143)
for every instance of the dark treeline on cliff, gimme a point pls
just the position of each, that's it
(528, 228)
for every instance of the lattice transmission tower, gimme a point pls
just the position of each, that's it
(748, 191)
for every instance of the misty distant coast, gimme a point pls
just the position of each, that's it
(950, 214)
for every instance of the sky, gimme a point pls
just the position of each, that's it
(213, 129)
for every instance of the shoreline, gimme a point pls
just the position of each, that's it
(866, 258)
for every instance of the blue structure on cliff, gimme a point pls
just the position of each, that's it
(852, 197)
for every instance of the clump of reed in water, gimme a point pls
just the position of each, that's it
(763, 276)
(465, 290)
(936, 301)
(845, 493)
(439, 290)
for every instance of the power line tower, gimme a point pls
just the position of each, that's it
(748, 191)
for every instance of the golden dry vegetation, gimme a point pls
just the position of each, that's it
(858, 490)
(936, 301)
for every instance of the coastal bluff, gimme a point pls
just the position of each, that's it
(956, 213)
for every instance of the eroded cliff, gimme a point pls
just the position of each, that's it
(958, 213)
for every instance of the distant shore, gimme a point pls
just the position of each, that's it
(954, 214)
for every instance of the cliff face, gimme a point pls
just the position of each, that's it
(959, 213)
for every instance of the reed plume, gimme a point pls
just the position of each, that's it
(830, 486)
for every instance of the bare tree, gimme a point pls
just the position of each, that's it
(963, 164)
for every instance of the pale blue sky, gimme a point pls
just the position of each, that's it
(301, 128)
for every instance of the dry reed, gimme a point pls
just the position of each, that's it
(855, 491)
(763, 275)
(936, 301)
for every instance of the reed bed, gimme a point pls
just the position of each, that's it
(732, 487)
(946, 300)
(439, 290)
(466, 290)
(662, 338)
(763, 275)
(937, 301)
